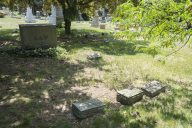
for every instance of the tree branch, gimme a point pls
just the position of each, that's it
(81, 3)
(179, 48)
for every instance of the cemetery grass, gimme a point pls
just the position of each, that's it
(34, 91)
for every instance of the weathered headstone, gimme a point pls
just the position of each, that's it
(153, 88)
(74, 29)
(14, 31)
(30, 18)
(102, 26)
(93, 56)
(104, 33)
(88, 35)
(95, 35)
(87, 108)
(129, 96)
(95, 22)
(112, 32)
(37, 35)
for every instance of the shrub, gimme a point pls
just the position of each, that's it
(3, 13)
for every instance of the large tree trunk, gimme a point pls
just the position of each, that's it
(67, 26)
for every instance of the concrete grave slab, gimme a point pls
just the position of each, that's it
(87, 108)
(129, 96)
(88, 35)
(95, 35)
(104, 33)
(153, 88)
(93, 56)
(112, 32)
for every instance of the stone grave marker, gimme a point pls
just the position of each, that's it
(112, 32)
(102, 26)
(74, 29)
(153, 88)
(95, 35)
(87, 108)
(14, 31)
(104, 33)
(93, 56)
(1, 26)
(77, 21)
(37, 35)
(129, 96)
(88, 35)
(18, 17)
(82, 29)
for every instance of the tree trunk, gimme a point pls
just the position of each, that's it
(67, 26)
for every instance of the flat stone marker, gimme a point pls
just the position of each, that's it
(77, 21)
(74, 29)
(104, 33)
(129, 95)
(87, 108)
(14, 31)
(95, 35)
(93, 56)
(117, 28)
(18, 17)
(88, 35)
(1, 26)
(112, 32)
(153, 88)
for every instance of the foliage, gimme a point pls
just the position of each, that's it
(162, 21)
(3, 13)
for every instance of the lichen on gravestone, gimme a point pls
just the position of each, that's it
(153, 88)
(129, 95)
(87, 108)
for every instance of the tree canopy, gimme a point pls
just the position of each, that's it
(164, 22)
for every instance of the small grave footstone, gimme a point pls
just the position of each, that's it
(129, 96)
(17, 29)
(18, 17)
(117, 28)
(14, 31)
(74, 29)
(88, 36)
(95, 35)
(153, 88)
(112, 32)
(104, 33)
(93, 56)
(77, 21)
(102, 26)
(87, 108)
(84, 42)
(1, 26)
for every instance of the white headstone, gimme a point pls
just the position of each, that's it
(30, 18)
(95, 22)
(52, 18)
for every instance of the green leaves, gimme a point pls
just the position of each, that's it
(162, 21)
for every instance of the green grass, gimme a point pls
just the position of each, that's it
(38, 91)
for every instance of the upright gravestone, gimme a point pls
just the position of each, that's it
(52, 18)
(37, 15)
(29, 17)
(59, 15)
(103, 16)
(38, 35)
(80, 16)
(109, 17)
(95, 22)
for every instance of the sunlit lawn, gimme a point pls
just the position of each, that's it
(33, 90)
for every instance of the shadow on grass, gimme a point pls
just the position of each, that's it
(7, 35)
(116, 47)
